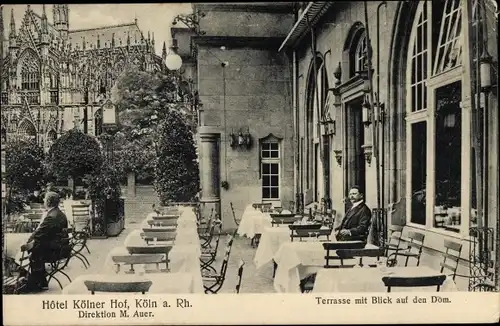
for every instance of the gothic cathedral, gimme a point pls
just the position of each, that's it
(50, 74)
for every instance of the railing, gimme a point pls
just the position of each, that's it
(482, 260)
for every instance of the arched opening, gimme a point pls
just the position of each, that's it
(27, 130)
(316, 178)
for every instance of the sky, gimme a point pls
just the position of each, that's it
(154, 17)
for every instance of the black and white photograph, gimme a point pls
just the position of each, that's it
(315, 148)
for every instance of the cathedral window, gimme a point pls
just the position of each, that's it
(30, 79)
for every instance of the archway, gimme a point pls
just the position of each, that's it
(27, 130)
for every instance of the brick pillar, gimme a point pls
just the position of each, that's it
(210, 170)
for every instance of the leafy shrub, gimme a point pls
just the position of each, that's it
(104, 190)
(24, 173)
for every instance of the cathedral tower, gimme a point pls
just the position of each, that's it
(61, 19)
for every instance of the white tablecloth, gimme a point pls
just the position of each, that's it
(370, 279)
(297, 260)
(253, 222)
(172, 283)
(13, 243)
(270, 241)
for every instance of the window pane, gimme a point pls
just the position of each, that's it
(265, 168)
(274, 168)
(265, 146)
(448, 158)
(274, 146)
(274, 193)
(274, 154)
(419, 171)
(266, 181)
(265, 154)
(274, 181)
(265, 192)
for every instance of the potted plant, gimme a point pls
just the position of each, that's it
(107, 205)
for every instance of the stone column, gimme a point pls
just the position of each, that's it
(131, 184)
(210, 170)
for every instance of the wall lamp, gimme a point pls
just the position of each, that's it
(485, 67)
(192, 21)
(367, 115)
(240, 140)
(173, 61)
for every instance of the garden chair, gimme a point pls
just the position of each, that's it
(212, 282)
(422, 281)
(81, 217)
(209, 254)
(59, 263)
(237, 222)
(451, 257)
(240, 275)
(308, 231)
(113, 286)
(145, 259)
(163, 236)
(78, 242)
(414, 249)
(214, 230)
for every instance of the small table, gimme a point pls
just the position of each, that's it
(270, 241)
(370, 279)
(253, 222)
(297, 260)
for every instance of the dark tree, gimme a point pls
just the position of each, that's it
(74, 155)
(177, 176)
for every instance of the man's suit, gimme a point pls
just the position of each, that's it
(357, 220)
(49, 243)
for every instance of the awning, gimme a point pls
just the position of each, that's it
(313, 12)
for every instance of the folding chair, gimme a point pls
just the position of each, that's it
(141, 259)
(60, 262)
(423, 281)
(240, 275)
(161, 236)
(234, 215)
(113, 286)
(209, 254)
(212, 282)
(415, 243)
(450, 259)
(282, 219)
(78, 242)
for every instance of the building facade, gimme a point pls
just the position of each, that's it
(245, 136)
(51, 75)
(422, 137)
(398, 98)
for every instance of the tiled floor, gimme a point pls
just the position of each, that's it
(252, 281)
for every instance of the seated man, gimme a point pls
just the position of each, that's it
(49, 242)
(357, 220)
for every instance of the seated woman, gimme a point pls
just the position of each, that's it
(49, 242)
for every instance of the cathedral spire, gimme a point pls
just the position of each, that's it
(1, 32)
(128, 39)
(164, 51)
(113, 40)
(45, 28)
(83, 43)
(12, 34)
